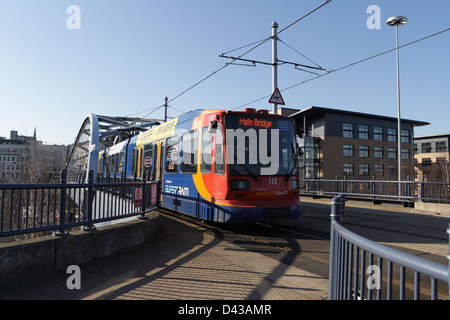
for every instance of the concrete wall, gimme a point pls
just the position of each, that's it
(46, 254)
(440, 208)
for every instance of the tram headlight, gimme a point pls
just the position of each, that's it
(294, 184)
(240, 185)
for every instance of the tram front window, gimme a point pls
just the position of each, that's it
(260, 145)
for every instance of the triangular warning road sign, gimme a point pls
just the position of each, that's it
(276, 97)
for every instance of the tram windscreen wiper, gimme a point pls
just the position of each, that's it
(249, 171)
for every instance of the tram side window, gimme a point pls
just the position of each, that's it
(155, 167)
(206, 160)
(133, 161)
(189, 151)
(122, 161)
(148, 157)
(171, 165)
(219, 166)
(116, 162)
(110, 163)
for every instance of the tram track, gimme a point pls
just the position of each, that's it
(302, 242)
(238, 231)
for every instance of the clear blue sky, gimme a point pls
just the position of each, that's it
(129, 55)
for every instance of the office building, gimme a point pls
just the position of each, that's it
(354, 145)
(431, 157)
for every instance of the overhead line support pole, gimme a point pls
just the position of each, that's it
(274, 63)
(165, 109)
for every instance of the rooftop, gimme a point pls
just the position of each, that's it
(319, 111)
(432, 136)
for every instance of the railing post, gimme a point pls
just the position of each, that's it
(342, 212)
(89, 226)
(335, 185)
(422, 191)
(448, 259)
(344, 184)
(62, 205)
(336, 205)
(144, 196)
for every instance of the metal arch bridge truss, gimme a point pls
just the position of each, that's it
(96, 134)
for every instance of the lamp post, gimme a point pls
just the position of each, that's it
(398, 21)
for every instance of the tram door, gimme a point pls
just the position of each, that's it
(139, 162)
(159, 154)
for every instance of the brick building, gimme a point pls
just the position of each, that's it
(354, 145)
(432, 157)
(20, 153)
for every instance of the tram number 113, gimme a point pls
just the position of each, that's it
(273, 181)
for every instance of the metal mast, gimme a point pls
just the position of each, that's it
(274, 63)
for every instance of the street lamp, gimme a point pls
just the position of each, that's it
(398, 21)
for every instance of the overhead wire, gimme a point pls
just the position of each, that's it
(248, 51)
(299, 53)
(346, 66)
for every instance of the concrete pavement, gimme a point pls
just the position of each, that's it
(184, 262)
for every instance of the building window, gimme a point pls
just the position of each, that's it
(348, 169)
(348, 150)
(363, 132)
(364, 151)
(378, 169)
(378, 133)
(363, 169)
(392, 153)
(378, 152)
(405, 136)
(391, 135)
(426, 162)
(441, 146)
(392, 170)
(347, 130)
(406, 154)
(426, 147)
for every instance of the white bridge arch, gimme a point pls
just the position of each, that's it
(98, 133)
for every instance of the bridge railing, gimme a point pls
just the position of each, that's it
(354, 274)
(378, 190)
(58, 207)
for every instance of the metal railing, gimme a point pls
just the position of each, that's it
(378, 190)
(41, 208)
(354, 274)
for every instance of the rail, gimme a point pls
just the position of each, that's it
(378, 190)
(58, 207)
(354, 275)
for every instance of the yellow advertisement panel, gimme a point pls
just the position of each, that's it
(160, 132)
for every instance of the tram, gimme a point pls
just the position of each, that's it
(217, 165)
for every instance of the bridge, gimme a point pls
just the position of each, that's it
(80, 200)
(98, 133)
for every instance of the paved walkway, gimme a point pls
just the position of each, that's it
(183, 262)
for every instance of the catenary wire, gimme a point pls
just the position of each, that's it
(345, 67)
(248, 51)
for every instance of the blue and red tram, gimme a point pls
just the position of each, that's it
(217, 165)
